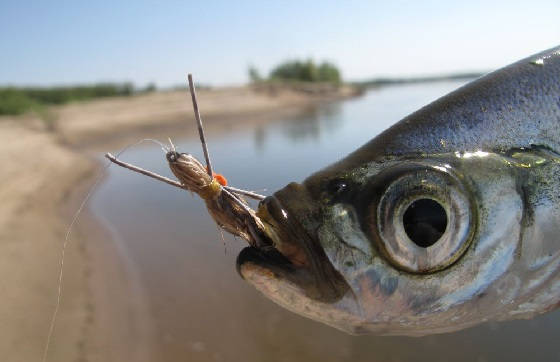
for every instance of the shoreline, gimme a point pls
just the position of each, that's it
(48, 172)
(78, 124)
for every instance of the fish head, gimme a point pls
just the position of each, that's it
(425, 229)
(394, 246)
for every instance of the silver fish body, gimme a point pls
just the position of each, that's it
(448, 219)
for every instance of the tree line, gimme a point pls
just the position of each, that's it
(18, 100)
(298, 70)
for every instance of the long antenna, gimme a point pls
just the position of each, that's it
(171, 182)
(199, 123)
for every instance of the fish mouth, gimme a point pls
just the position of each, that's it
(291, 251)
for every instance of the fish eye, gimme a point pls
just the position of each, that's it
(423, 220)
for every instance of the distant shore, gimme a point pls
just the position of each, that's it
(155, 114)
(387, 81)
(46, 171)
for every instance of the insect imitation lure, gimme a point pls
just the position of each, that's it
(225, 204)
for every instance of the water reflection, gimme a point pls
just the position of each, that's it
(314, 123)
(260, 137)
(205, 312)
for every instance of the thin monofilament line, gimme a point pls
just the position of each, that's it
(199, 124)
(67, 240)
(63, 253)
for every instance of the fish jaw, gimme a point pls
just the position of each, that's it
(289, 233)
(344, 314)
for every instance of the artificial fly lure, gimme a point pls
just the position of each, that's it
(225, 204)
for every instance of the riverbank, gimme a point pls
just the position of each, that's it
(121, 119)
(47, 172)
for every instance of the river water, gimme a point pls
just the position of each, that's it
(203, 311)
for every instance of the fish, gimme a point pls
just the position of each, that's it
(448, 219)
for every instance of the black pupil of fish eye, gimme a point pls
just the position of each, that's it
(425, 221)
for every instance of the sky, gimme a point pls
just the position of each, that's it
(69, 42)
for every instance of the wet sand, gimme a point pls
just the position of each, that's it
(46, 172)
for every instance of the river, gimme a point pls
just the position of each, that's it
(201, 308)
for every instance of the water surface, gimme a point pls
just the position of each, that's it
(203, 310)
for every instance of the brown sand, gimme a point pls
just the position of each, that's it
(45, 175)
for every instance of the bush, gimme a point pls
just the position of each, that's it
(306, 71)
(15, 101)
(328, 73)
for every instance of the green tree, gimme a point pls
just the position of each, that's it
(306, 71)
(327, 72)
(20, 100)
(14, 101)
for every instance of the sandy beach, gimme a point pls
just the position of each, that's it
(47, 170)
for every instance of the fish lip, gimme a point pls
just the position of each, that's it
(316, 277)
(267, 257)
(263, 251)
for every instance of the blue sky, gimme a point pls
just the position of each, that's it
(65, 42)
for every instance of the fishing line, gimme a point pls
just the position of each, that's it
(223, 239)
(98, 179)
